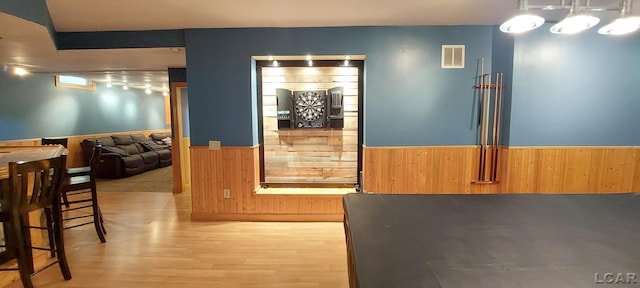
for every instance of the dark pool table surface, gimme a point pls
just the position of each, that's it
(499, 240)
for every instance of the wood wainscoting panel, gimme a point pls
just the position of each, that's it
(206, 179)
(256, 171)
(237, 169)
(573, 169)
(405, 170)
(450, 169)
(238, 176)
(424, 170)
(636, 172)
(21, 142)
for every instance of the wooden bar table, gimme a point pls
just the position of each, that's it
(24, 153)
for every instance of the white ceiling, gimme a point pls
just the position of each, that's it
(29, 44)
(74, 15)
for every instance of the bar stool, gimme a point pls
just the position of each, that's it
(33, 186)
(74, 171)
(79, 193)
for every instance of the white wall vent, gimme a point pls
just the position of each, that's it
(452, 56)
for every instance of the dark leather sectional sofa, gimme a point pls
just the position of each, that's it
(128, 155)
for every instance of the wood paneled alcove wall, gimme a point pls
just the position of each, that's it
(310, 155)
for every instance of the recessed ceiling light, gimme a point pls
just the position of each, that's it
(148, 91)
(125, 87)
(109, 85)
(165, 93)
(20, 71)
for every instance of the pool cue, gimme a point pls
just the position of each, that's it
(486, 125)
(481, 122)
(494, 132)
(499, 87)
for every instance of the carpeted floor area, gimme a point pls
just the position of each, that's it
(157, 180)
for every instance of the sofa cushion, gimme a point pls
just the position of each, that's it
(131, 148)
(164, 154)
(106, 141)
(153, 146)
(122, 139)
(133, 165)
(164, 157)
(140, 147)
(116, 150)
(151, 160)
(158, 136)
(132, 161)
(139, 138)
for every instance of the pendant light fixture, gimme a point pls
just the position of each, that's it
(523, 22)
(578, 20)
(574, 23)
(625, 24)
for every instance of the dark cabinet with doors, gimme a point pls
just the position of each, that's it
(310, 108)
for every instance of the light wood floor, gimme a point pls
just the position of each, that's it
(151, 242)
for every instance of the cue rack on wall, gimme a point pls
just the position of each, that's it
(490, 97)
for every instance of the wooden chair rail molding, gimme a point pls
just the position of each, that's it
(75, 158)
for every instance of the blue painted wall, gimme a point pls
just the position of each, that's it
(120, 39)
(561, 90)
(409, 99)
(33, 107)
(502, 62)
(575, 90)
(177, 75)
(32, 10)
(180, 75)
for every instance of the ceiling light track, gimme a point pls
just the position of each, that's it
(567, 5)
(578, 19)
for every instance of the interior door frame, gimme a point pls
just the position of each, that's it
(179, 184)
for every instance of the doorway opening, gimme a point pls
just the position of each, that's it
(310, 119)
(181, 137)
